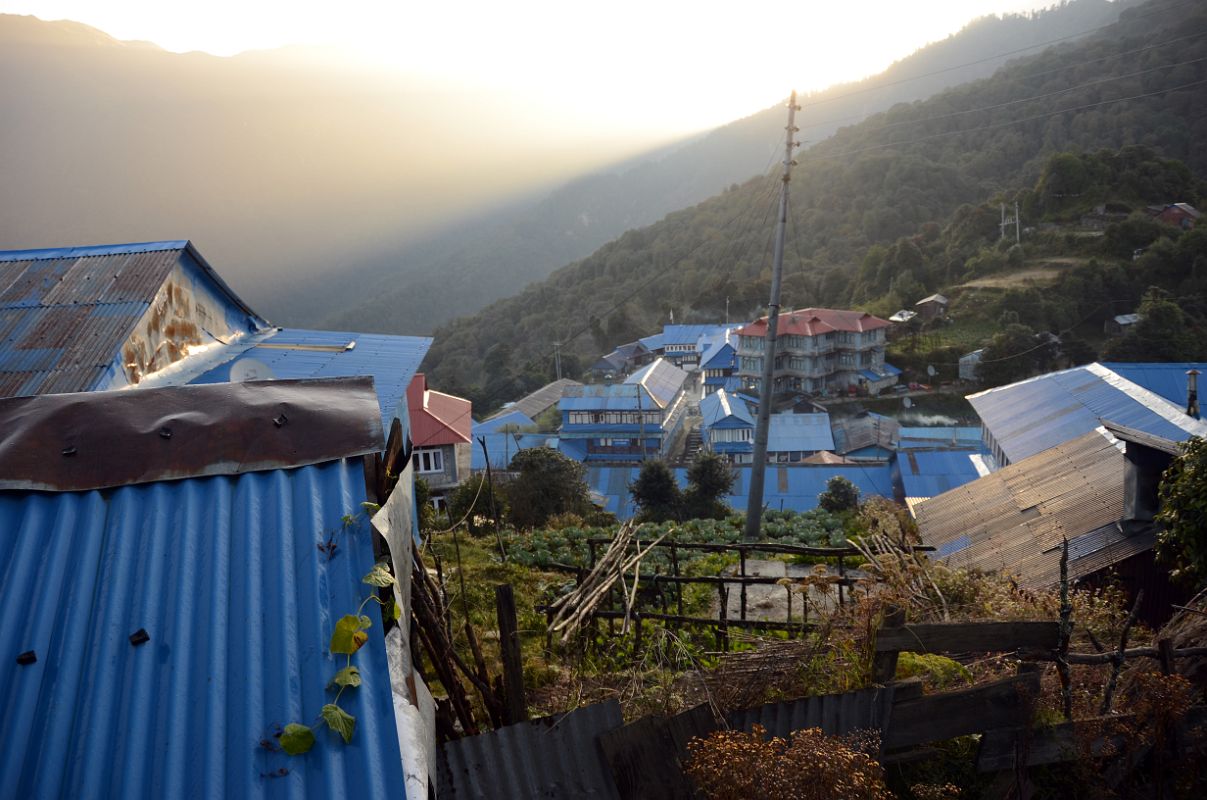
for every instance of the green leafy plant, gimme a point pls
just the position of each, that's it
(347, 638)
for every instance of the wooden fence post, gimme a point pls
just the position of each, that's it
(515, 705)
(742, 573)
(884, 664)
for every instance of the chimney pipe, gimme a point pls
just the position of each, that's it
(1192, 392)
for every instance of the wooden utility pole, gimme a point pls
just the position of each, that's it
(754, 503)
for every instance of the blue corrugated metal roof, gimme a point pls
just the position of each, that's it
(1031, 416)
(224, 575)
(610, 397)
(789, 487)
(492, 425)
(690, 334)
(791, 433)
(926, 473)
(293, 353)
(652, 342)
(721, 406)
(1167, 380)
(661, 379)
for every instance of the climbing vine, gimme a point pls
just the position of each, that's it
(347, 638)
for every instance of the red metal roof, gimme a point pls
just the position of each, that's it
(816, 321)
(437, 418)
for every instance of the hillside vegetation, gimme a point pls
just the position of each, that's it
(899, 174)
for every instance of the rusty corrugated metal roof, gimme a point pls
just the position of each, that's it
(65, 312)
(1014, 519)
(549, 758)
(93, 440)
(835, 714)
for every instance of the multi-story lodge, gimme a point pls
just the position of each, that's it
(819, 350)
(627, 421)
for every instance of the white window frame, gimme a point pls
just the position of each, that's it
(429, 460)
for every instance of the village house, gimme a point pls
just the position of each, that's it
(628, 421)
(440, 434)
(1180, 215)
(820, 351)
(933, 307)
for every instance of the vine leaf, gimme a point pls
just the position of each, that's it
(339, 721)
(297, 738)
(344, 635)
(365, 622)
(395, 611)
(379, 576)
(358, 640)
(348, 676)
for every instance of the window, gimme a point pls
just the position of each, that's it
(429, 460)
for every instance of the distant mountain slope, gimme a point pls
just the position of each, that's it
(461, 271)
(1142, 81)
(278, 164)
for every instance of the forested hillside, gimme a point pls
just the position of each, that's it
(1142, 81)
(497, 255)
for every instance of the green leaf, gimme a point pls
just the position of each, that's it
(348, 676)
(379, 576)
(372, 508)
(395, 611)
(339, 721)
(342, 636)
(365, 622)
(297, 738)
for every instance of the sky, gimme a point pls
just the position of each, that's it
(641, 67)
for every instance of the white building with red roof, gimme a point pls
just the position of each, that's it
(820, 351)
(440, 434)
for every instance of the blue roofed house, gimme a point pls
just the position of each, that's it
(680, 344)
(168, 594)
(719, 361)
(628, 421)
(1025, 418)
(792, 438)
(727, 427)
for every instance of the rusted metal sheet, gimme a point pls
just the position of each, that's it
(94, 440)
(1014, 519)
(553, 757)
(80, 319)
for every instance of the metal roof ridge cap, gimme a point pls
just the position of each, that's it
(91, 250)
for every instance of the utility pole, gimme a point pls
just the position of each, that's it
(1017, 235)
(557, 359)
(758, 469)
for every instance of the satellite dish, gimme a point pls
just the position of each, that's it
(250, 369)
(907, 402)
(930, 370)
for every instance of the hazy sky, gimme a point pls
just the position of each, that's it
(650, 67)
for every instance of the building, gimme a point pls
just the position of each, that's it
(793, 438)
(818, 350)
(718, 361)
(866, 436)
(167, 606)
(1025, 418)
(621, 361)
(631, 421)
(1180, 215)
(727, 427)
(154, 314)
(1119, 324)
(681, 344)
(440, 435)
(933, 307)
(969, 363)
(536, 403)
(1097, 491)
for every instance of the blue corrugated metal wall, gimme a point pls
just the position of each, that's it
(225, 576)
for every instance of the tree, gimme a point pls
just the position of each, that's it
(545, 483)
(1182, 543)
(474, 501)
(709, 479)
(1015, 353)
(840, 495)
(1162, 334)
(656, 493)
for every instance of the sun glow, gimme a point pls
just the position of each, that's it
(655, 66)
